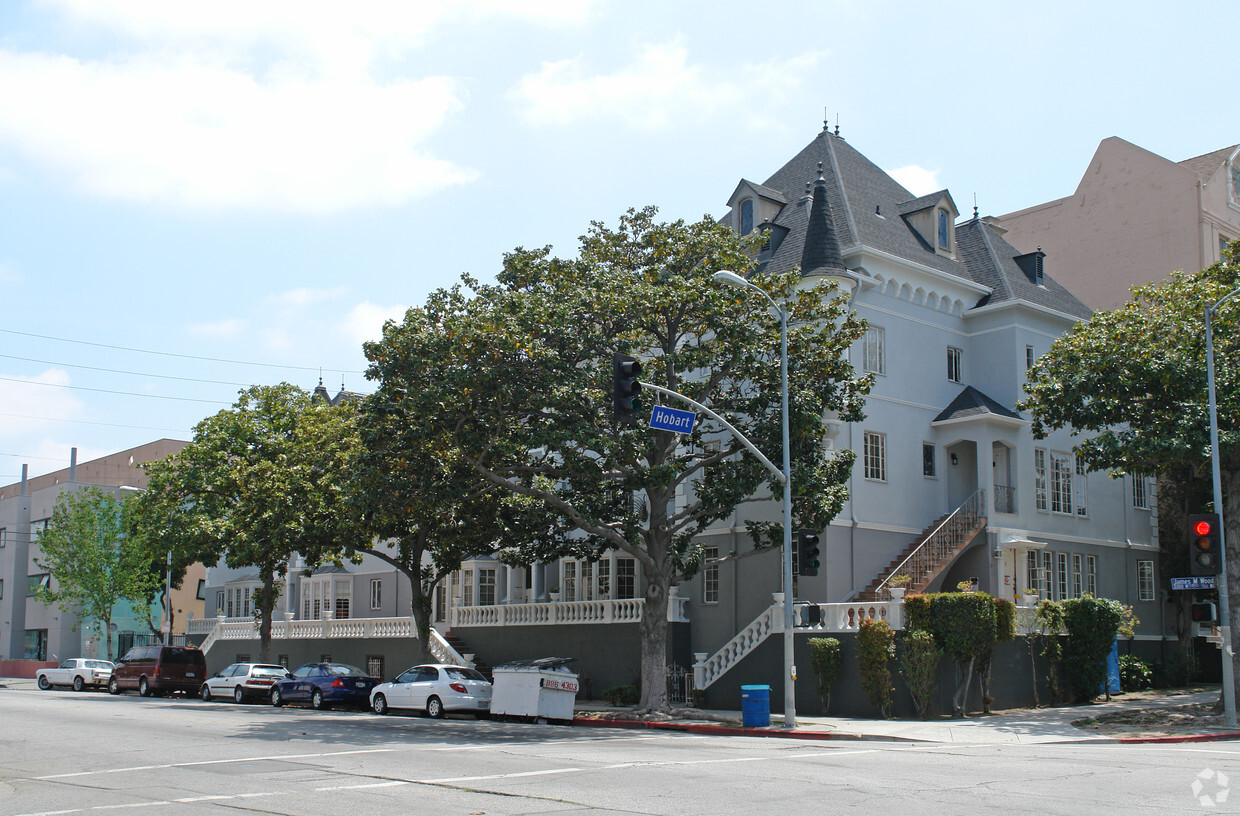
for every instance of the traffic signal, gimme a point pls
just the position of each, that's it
(626, 388)
(1205, 544)
(807, 553)
(1204, 612)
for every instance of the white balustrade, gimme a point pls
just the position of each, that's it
(847, 617)
(626, 610)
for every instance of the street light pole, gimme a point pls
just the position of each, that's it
(790, 669)
(1224, 604)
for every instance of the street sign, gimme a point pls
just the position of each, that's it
(663, 418)
(1198, 582)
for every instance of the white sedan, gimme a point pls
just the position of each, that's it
(435, 689)
(78, 672)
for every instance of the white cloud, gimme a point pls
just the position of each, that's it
(282, 105)
(226, 329)
(31, 404)
(918, 180)
(365, 321)
(661, 86)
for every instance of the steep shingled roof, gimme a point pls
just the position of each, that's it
(973, 403)
(1206, 164)
(865, 206)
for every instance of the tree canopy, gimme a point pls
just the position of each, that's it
(515, 379)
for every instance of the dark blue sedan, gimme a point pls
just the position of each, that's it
(325, 684)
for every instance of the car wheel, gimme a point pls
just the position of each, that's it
(277, 699)
(434, 708)
(144, 688)
(114, 687)
(44, 683)
(205, 693)
(78, 683)
(316, 701)
(379, 704)
(238, 695)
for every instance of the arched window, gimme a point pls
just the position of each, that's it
(747, 216)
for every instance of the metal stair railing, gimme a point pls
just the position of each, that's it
(922, 563)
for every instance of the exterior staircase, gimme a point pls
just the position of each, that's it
(462, 648)
(927, 557)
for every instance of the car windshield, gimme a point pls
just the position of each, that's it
(345, 670)
(268, 671)
(464, 674)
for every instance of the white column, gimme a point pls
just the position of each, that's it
(510, 590)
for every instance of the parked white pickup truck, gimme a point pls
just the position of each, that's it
(78, 672)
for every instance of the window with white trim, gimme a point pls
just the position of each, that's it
(928, 460)
(587, 580)
(376, 593)
(1145, 580)
(1061, 576)
(4, 535)
(1078, 575)
(710, 575)
(1140, 498)
(875, 456)
(1029, 357)
(1047, 587)
(1061, 483)
(1039, 478)
(467, 587)
(569, 586)
(874, 351)
(955, 371)
(604, 579)
(1079, 487)
(219, 602)
(626, 578)
(486, 587)
(1091, 575)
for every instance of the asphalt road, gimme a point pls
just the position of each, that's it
(89, 753)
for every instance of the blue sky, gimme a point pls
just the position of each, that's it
(241, 192)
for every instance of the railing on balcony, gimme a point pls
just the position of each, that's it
(940, 546)
(1005, 499)
(847, 617)
(622, 610)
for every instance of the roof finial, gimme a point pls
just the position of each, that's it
(826, 120)
(975, 206)
(820, 178)
(837, 124)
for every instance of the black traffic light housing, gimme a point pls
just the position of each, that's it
(1204, 612)
(808, 553)
(625, 388)
(1205, 544)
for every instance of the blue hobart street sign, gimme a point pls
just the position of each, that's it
(1198, 582)
(672, 419)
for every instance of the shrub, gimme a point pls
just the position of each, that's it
(622, 695)
(1048, 623)
(875, 649)
(1134, 673)
(919, 664)
(1092, 625)
(825, 658)
(917, 612)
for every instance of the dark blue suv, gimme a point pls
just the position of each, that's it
(323, 685)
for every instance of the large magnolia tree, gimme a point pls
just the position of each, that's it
(515, 379)
(1132, 383)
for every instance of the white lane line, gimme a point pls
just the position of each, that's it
(491, 746)
(212, 762)
(187, 800)
(502, 776)
(392, 784)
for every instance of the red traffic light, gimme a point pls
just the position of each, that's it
(1203, 528)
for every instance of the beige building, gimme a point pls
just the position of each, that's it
(1134, 217)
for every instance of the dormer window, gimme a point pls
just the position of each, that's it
(747, 216)
(943, 222)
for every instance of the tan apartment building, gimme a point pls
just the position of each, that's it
(1134, 217)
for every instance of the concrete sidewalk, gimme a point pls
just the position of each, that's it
(1028, 726)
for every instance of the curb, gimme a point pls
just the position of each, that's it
(727, 731)
(1220, 737)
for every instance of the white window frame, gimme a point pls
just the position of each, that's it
(874, 350)
(488, 586)
(1078, 575)
(710, 575)
(1040, 492)
(1091, 575)
(1029, 357)
(626, 573)
(1061, 576)
(1061, 483)
(875, 456)
(932, 461)
(955, 364)
(376, 593)
(1145, 580)
(1047, 586)
(1140, 493)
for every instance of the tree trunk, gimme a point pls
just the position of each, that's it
(961, 700)
(653, 630)
(266, 608)
(983, 678)
(421, 606)
(1033, 666)
(107, 628)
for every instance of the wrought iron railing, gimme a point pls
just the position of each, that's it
(924, 562)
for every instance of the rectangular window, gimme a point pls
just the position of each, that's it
(1046, 587)
(441, 603)
(604, 579)
(927, 460)
(876, 456)
(374, 666)
(1029, 358)
(33, 582)
(4, 536)
(201, 593)
(1091, 575)
(318, 609)
(954, 372)
(1145, 580)
(1078, 575)
(219, 602)
(246, 603)
(1061, 483)
(486, 587)
(626, 578)
(710, 576)
(283, 660)
(376, 593)
(1031, 572)
(874, 351)
(467, 587)
(1039, 478)
(1140, 500)
(587, 581)
(1, 588)
(1061, 577)
(569, 570)
(342, 608)
(305, 615)
(1079, 487)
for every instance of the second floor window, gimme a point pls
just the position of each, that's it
(376, 593)
(874, 351)
(1061, 483)
(1140, 500)
(710, 576)
(1039, 478)
(875, 456)
(954, 370)
(927, 460)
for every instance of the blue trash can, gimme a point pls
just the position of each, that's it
(756, 706)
